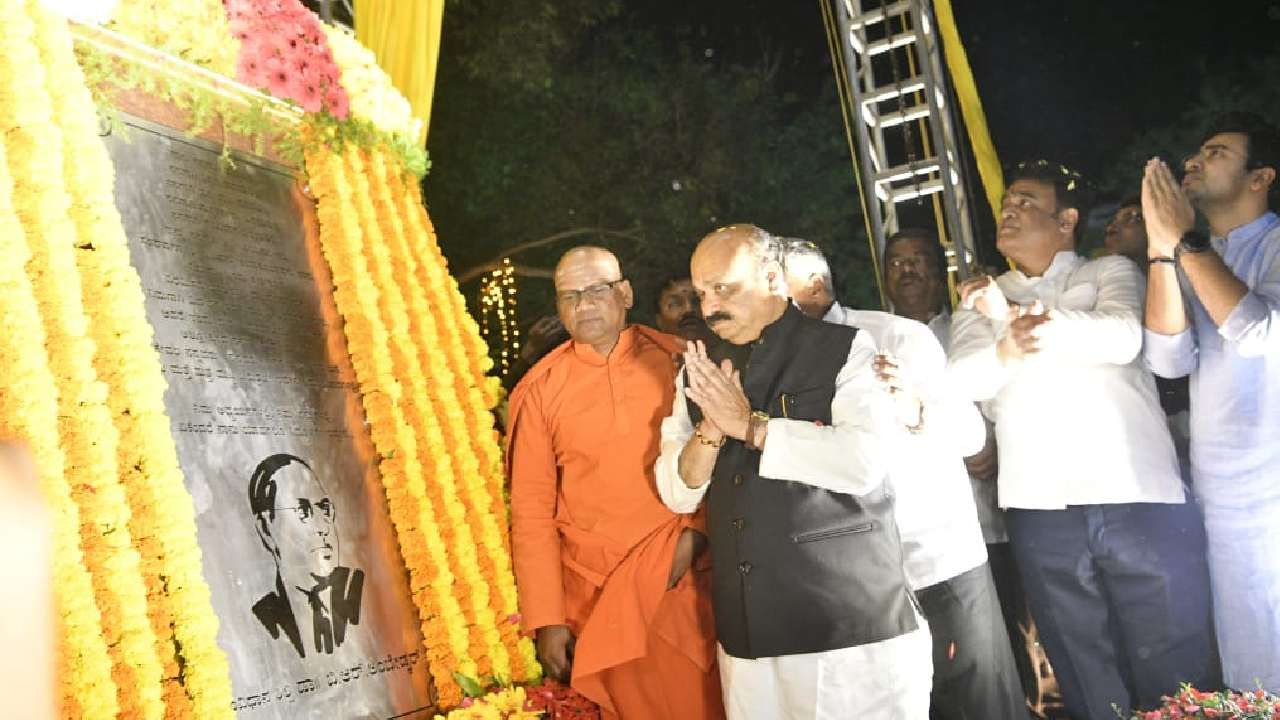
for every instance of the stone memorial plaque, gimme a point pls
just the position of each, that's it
(312, 600)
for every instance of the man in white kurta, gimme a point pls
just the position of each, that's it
(810, 595)
(974, 675)
(1111, 554)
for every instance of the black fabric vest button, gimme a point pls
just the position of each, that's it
(739, 523)
(744, 567)
(737, 479)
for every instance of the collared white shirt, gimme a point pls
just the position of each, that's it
(851, 455)
(1079, 422)
(933, 503)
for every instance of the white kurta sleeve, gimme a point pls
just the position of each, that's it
(972, 363)
(851, 455)
(1110, 331)
(676, 431)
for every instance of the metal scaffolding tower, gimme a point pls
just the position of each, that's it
(905, 133)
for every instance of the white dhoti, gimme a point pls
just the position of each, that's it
(887, 680)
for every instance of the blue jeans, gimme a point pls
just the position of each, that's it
(1120, 594)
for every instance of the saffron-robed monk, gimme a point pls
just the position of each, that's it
(605, 571)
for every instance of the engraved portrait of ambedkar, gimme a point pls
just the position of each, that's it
(315, 598)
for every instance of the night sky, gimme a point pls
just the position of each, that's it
(1069, 81)
(1074, 81)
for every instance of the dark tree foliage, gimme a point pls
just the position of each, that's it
(658, 120)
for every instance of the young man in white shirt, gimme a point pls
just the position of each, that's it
(1213, 312)
(1110, 551)
(974, 675)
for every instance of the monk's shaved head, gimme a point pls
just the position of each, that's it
(588, 255)
(592, 297)
(737, 273)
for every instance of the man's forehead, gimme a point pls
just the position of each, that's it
(1027, 187)
(1230, 140)
(574, 276)
(908, 246)
(295, 480)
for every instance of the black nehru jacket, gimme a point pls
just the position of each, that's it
(795, 568)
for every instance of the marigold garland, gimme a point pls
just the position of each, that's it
(431, 580)
(29, 396)
(443, 479)
(451, 439)
(504, 704)
(163, 518)
(444, 294)
(477, 451)
(88, 433)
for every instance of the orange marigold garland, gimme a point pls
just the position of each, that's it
(421, 542)
(446, 305)
(438, 386)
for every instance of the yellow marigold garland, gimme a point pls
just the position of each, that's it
(464, 482)
(29, 403)
(163, 519)
(440, 449)
(87, 430)
(505, 704)
(459, 331)
(431, 580)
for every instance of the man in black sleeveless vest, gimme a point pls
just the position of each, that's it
(780, 427)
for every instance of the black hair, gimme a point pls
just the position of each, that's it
(262, 484)
(1068, 187)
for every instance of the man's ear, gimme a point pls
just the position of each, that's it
(1263, 178)
(264, 534)
(628, 296)
(1068, 219)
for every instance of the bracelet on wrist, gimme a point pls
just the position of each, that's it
(1161, 260)
(697, 433)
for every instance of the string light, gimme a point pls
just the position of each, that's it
(498, 313)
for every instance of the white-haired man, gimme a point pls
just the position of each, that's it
(974, 675)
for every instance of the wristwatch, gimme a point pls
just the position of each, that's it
(1193, 241)
(754, 420)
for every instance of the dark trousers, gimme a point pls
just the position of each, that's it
(1120, 594)
(974, 676)
(1013, 605)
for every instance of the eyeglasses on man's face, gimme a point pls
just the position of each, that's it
(594, 293)
(308, 511)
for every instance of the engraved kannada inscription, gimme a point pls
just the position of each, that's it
(313, 607)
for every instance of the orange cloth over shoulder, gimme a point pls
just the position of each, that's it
(592, 542)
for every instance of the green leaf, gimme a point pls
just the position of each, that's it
(469, 685)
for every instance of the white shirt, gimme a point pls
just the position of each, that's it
(933, 503)
(985, 499)
(851, 455)
(1079, 422)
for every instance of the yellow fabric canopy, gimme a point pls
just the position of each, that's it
(405, 37)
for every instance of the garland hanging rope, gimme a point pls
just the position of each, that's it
(84, 386)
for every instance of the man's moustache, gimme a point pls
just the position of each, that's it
(690, 318)
(717, 317)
